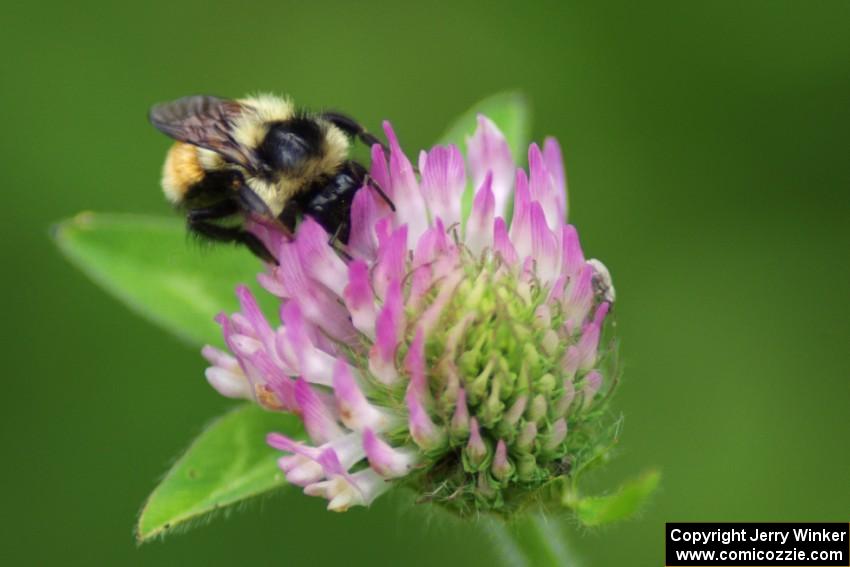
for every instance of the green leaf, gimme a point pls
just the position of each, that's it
(622, 504)
(510, 112)
(151, 265)
(228, 463)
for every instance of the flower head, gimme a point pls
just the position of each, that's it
(460, 357)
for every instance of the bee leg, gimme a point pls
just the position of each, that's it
(337, 244)
(252, 202)
(361, 174)
(353, 128)
(231, 234)
(377, 188)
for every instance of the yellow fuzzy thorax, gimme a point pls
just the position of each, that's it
(186, 164)
(251, 128)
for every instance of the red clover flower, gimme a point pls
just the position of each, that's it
(458, 357)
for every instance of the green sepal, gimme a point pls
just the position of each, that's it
(621, 504)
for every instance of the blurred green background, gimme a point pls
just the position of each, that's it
(707, 148)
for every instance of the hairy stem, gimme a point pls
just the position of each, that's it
(531, 541)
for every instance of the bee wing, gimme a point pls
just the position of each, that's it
(204, 121)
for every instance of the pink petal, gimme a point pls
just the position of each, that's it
(355, 411)
(423, 431)
(573, 256)
(359, 298)
(229, 384)
(542, 188)
(301, 467)
(319, 259)
(557, 434)
(502, 243)
(289, 273)
(268, 232)
(386, 461)
(319, 419)
(579, 295)
(251, 311)
(592, 383)
(296, 345)
(409, 203)
(479, 226)
(388, 332)
(516, 410)
(379, 171)
(555, 164)
(589, 341)
(362, 242)
(521, 222)
(501, 466)
(562, 405)
(392, 260)
(476, 450)
(414, 363)
(431, 317)
(544, 246)
(443, 182)
(460, 418)
(488, 151)
(432, 244)
(571, 360)
(219, 358)
(344, 491)
(420, 284)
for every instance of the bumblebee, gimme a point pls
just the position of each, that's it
(262, 157)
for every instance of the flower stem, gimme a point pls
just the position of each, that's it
(531, 541)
